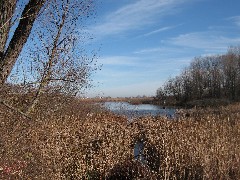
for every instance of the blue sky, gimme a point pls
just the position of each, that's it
(144, 42)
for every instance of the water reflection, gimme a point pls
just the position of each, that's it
(133, 111)
(138, 151)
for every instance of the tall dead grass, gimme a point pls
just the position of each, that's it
(79, 141)
(206, 146)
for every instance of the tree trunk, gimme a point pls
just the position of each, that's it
(47, 75)
(19, 38)
(6, 14)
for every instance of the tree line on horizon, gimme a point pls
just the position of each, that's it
(207, 77)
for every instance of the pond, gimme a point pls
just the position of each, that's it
(133, 111)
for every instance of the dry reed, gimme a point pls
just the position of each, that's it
(79, 141)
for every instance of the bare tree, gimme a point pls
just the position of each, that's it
(215, 76)
(58, 60)
(10, 53)
(231, 73)
(54, 59)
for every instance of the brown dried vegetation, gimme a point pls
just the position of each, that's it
(69, 139)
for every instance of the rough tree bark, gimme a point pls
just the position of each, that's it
(6, 14)
(20, 36)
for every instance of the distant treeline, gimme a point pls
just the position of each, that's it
(206, 78)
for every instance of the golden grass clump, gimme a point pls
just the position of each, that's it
(206, 146)
(69, 139)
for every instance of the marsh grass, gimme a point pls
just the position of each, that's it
(68, 139)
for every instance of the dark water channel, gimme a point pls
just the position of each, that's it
(134, 111)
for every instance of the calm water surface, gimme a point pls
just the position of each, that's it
(132, 111)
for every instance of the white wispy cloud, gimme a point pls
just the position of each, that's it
(235, 19)
(160, 30)
(134, 89)
(161, 50)
(142, 68)
(135, 15)
(211, 41)
(208, 41)
(118, 60)
(142, 78)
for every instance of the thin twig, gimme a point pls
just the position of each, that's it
(14, 109)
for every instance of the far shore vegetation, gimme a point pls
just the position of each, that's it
(212, 80)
